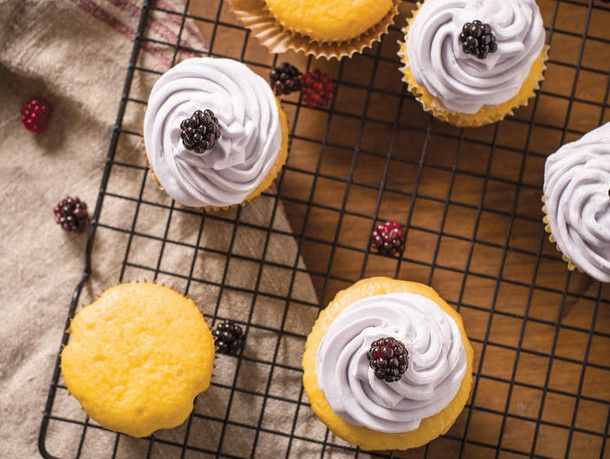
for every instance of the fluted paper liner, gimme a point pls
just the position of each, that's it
(548, 229)
(278, 39)
(487, 114)
(267, 181)
(430, 427)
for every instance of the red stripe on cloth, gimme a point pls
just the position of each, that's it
(101, 14)
(192, 30)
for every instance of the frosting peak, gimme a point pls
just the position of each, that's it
(248, 118)
(462, 82)
(577, 193)
(437, 362)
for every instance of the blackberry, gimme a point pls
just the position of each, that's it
(317, 89)
(389, 238)
(477, 39)
(285, 79)
(229, 337)
(200, 131)
(71, 214)
(35, 114)
(389, 358)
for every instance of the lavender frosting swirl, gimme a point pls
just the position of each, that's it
(248, 116)
(577, 193)
(437, 362)
(463, 83)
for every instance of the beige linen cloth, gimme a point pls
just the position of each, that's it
(75, 54)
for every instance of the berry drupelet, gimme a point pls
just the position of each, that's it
(229, 337)
(317, 89)
(389, 238)
(71, 214)
(200, 131)
(285, 79)
(35, 115)
(477, 39)
(389, 358)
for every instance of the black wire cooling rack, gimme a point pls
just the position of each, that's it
(470, 200)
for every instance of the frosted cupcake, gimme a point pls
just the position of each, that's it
(388, 365)
(324, 28)
(472, 62)
(577, 202)
(214, 133)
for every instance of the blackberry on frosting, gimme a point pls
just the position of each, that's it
(477, 39)
(388, 357)
(200, 131)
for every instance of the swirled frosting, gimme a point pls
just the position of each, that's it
(577, 194)
(462, 82)
(251, 134)
(437, 362)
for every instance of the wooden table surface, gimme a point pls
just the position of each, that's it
(471, 199)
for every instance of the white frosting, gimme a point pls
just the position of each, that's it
(251, 134)
(577, 193)
(437, 362)
(462, 82)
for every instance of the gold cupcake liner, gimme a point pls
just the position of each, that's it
(487, 114)
(255, 16)
(265, 184)
(547, 229)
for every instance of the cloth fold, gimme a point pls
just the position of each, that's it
(75, 53)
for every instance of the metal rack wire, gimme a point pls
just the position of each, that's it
(470, 202)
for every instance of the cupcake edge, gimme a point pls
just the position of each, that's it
(552, 239)
(488, 114)
(264, 26)
(264, 185)
(431, 427)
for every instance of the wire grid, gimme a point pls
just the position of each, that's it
(470, 202)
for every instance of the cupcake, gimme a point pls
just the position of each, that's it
(388, 365)
(214, 133)
(472, 62)
(577, 202)
(323, 28)
(137, 357)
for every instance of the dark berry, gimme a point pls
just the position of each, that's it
(200, 131)
(477, 39)
(71, 214)
(389, 238)
(285, 79)
(35, 115)
(317, 88)
(228, 337)
(389, 358)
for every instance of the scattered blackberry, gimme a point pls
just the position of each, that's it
(200, 131)
(389, 238)
(229, 337)
(285, 79)
(389, 358)
(317, 88)
(71, 214)
(35, 115)
(477, 39)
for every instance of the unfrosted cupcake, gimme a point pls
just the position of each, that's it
(388, 365)
(577, 202)
(324, 28)
(472, 62)
(137, 358)
(214, 133)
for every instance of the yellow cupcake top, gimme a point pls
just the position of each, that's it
(329, 20)
(137, 358)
